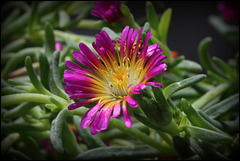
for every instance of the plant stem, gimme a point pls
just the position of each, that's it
(162, 147)
(210, 95)
(24, 97)
(167, 150)
(90, 24)
(28, 97)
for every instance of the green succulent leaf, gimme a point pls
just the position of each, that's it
(196, 119)
(205, 134)
(152, 15)
(204, 57)
(164, 25)
(188, 65)
(34, 78)
(57, 130)
(92, 141)
(119, 152)
(174, 87)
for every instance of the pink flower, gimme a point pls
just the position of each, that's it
(118, 71)
(108, 10)
(229, 10)
(58, 46)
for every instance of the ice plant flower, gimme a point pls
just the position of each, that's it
(229, 10)
(108, 10)
(119, 70)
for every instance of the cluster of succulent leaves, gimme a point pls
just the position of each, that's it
(195, 116)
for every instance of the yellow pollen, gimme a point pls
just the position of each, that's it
(119, 81)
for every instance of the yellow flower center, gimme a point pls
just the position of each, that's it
(119, 81)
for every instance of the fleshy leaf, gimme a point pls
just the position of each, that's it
(174, 87)
(164, 24)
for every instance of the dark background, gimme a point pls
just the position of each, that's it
(189, 25)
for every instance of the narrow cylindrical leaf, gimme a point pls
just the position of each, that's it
(207, 135)
(215, 77)
(16, 154)
(223, 105)
(17, 27)
(227, 69)
(43, 69)
(210, 95)
(69, 141)
(211, 121)
(188, 65)
(11, 90)
(174, 87)
(92, 141)
(151, 15)
(164, 24)
(175, 62)
(49, 41)
(19, 110)
(64, 18)
(57, 130)
(83, 14)
(55, 83)
(21, 127)
(128, 16)
(24, 97)
(14, 46)
(195, 118)
(33, 77)
(34, 17)
(204, 57)
(11, 17)
(18, 59)
(8, 141)
(119, 152)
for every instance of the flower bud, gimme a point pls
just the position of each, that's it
(58, 46)
(159, 115)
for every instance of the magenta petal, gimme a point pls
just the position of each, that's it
(123, 38)
(79, 104)
(82, 95)
(76, 67)
(131, 101)
(126, 116)
(106, 117)
(116, 110)
(89, 116)
(154, 84)
(135, 92)
(140, 86)
(157, 70)
(102, 119)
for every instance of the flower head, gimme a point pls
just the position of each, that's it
(108, 10)
(119, 70)
(229, 10)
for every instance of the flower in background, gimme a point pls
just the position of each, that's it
(229, 10)
(123, 69)
(58, 46)
(108, 10)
